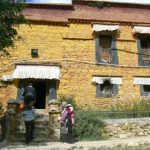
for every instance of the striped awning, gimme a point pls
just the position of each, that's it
(141, 80)
(141, 29)
(113, 80)
(102, 27)
(36, 72)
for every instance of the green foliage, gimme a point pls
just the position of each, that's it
(69, 100)
(143, 105)
(10, 17)
(88, 126)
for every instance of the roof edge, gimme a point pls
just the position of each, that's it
(101, 2)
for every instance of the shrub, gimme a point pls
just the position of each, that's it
(143, 105)
(88, 126)
(69, 100)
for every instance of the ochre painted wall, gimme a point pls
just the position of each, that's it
(74, 47)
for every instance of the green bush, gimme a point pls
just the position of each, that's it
(69, 100)
(88, 126)
(143, 105)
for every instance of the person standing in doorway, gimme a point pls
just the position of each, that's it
(29, 112)
(29, 94)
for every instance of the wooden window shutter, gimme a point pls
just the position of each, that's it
(105, 45)
(97, 49)
(113, 51)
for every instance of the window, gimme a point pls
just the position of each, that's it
(107, 89)
(144, 83)
(106, 86)
(106, 49)
(105, 46)
(145, 90)
(145, 45)
(144, 50)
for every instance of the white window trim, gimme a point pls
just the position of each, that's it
(142, 80)
(113, 80)
(141, 29)
(104, 27)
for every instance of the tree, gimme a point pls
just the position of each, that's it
(10, 17)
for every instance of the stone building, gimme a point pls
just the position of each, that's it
(96, 52)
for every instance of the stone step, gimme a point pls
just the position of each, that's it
(38, 132)
(41, 123)
(35, 140)
(42, 117)
(44, 136)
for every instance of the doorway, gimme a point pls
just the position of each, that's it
(40, 87)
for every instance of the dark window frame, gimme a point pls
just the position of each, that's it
(99, 92)
(141, 62)
(113, 47)
(142, 91)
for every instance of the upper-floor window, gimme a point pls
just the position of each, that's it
(143, 44)
(144, 50)
(105, 38)
(105, 48)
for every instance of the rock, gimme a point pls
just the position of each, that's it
(140, 134)
(133, 144)
(123, 136)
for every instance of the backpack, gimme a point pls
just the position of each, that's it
(21, 105)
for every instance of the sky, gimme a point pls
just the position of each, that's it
(70, 1)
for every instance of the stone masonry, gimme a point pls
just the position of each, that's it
(127, 128)
(77, 58)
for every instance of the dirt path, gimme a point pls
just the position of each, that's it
(138, 143)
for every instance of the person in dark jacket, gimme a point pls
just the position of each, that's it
(29, 112)
(29, 94)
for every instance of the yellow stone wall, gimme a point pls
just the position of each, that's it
(74, 47)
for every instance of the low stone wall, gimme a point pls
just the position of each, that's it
(47, 128)
(125, 128)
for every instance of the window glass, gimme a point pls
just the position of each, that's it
(145, 45)
(105, 46)
(146, 89)
(106, 88)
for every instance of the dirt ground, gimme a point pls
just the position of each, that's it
(137, 143)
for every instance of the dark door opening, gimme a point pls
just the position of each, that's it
(40, 87)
